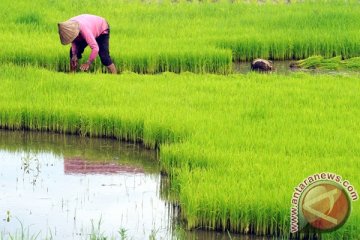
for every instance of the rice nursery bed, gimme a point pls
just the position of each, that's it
(235, 146)
(157, 36)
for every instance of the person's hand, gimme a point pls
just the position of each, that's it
(85, 66)
(74, 63)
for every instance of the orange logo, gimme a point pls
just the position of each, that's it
(325, 206)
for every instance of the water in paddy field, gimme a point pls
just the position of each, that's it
(283, 67)
(67, 187)
(62, 185)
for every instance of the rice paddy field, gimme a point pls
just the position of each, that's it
(233, 145)
(157, 36)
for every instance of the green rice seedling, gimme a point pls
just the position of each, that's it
(23, 234)
(96, 233)
(122, 233)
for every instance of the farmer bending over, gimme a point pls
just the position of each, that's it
(85, 30)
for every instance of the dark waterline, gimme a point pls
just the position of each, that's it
(59, 186)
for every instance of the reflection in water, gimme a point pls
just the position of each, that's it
(77, 165)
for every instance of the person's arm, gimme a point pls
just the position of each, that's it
(91, 41)
(74, 60)
(74, 49)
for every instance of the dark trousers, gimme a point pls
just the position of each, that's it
(103, 42)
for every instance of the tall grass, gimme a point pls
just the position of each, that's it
(158, 36)
(235, 146)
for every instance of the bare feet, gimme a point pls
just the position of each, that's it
(112, 69)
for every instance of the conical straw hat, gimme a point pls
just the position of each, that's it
(68, 31)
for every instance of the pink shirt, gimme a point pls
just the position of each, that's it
(91, 27)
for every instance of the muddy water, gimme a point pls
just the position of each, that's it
(66, 187)
(282, 67)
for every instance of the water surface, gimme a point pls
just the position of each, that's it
(61, 186)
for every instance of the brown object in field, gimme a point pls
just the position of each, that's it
(261, 65)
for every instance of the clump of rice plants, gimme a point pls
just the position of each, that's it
(351, 63)
(335, 63)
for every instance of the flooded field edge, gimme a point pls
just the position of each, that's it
(85, 158)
